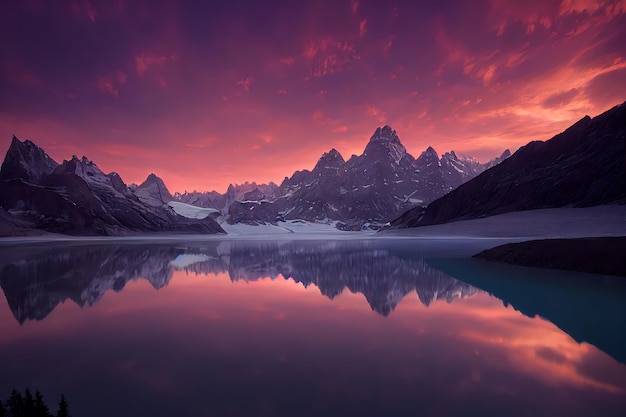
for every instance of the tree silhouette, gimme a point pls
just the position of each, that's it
(29, 403)
(15, 404)
(63, 408)
(41, 409)
(27, 406)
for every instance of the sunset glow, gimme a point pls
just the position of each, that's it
(210, 93)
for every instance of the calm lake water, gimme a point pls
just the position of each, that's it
(307, 328)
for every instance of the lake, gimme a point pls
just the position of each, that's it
(371, 327)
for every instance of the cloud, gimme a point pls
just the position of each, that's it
(145, 61)
(327, 56)
(84, 8)
(287, 61)
(579, 6)
(245, 83)
(111, 84)
(607, 89)
(363, 28)
(354, 6)
(531, 14)
(560, 99)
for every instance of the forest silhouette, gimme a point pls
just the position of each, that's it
(27, 405)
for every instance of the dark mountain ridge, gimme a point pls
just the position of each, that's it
(581, 167)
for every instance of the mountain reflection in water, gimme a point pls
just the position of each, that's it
(286, 328)
(590, 308)
(36, 280)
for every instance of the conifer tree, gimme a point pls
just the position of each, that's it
(63, 408)
(2, 410)
(41, 409)
(15, 404)
(29, 403)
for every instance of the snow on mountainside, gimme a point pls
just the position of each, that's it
(191, 212)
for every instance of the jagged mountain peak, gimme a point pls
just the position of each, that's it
(153, 191)
(152, 178)
(385, 143)
(330, 159)
(27, 161)
(453, 156)
(386, 134)
(83, 167)
(333, 153)
(428, 156)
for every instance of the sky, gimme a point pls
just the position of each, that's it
(207, 93)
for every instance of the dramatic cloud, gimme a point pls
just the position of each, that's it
(193, 90)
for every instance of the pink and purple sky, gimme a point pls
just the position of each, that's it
(207, 93)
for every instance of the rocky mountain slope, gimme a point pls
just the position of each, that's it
(583, 166)
(76, 197)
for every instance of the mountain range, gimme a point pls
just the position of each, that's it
(367, 190)
(77, 198)
(384, 186)
(581, 167)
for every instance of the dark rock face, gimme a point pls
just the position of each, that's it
(583, 166)
(366, 191)
(26, 161)
(77, 198)
(598, 255)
